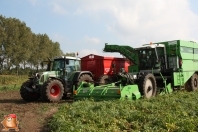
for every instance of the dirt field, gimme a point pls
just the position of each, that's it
(32, 117)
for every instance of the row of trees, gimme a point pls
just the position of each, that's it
(21, 48)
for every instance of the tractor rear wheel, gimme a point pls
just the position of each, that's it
(104, 79)
(194, 82)
(148, 86)
(27, 95)
(52, 91)
(85, 78)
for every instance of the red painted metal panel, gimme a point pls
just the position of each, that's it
(100, 65)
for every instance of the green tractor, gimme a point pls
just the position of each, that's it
(158, 68)
(57, 81)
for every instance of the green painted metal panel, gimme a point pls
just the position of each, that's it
(188, 65)
(107, 92)
(180, 78)
(186, 43)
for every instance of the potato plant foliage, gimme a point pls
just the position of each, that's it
(176, 112)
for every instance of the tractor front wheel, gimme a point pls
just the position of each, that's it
(148, 86)
(27, 95)
(52, 91)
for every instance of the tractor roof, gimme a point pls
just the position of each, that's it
(68, 57)
(150, 46)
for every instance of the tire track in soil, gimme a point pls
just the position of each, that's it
(32, 116)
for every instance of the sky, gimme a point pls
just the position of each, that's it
(84, 26)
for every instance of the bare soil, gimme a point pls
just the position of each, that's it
(32, 116)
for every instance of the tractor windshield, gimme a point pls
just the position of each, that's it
(147, 57)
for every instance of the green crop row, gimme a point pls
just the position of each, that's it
(176, 112)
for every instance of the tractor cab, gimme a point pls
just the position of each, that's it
(66, 64)
(151, 57)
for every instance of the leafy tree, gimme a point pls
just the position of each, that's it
(20, 47)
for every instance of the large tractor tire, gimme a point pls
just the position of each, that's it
(148, 86)
(194, 82)
(27, 95)
(52, 91)
(104, 79)
(187, 85)
(85, 78)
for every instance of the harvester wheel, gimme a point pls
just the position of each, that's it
(105, 79)
(27, 95)
(187, 86)
(52, 91)
(148, 86)
(85, 78)
(194, 82)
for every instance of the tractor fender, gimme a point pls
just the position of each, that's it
(77, 75)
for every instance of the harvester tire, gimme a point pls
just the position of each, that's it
(85, 78)
(52, 91)
(187, 85)
(194, 82)
(147, 85)
(27, 95)
(104, 79)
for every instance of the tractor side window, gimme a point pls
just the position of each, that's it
(160, 52)
(70, 66)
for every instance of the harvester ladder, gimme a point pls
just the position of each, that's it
(180, 78)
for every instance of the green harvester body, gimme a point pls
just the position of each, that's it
(157, 69)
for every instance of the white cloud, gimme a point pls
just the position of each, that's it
(91, 40)
(146, 20)
(133, 22)
(57, 8)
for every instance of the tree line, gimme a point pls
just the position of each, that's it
(20, 48)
